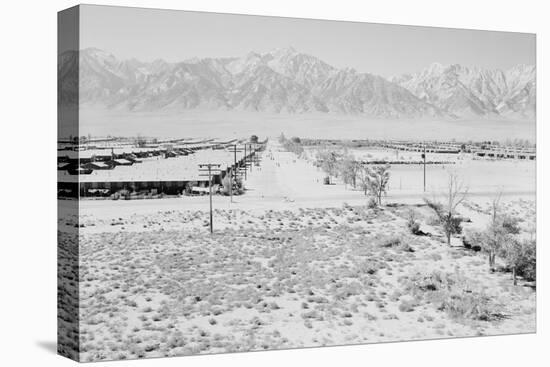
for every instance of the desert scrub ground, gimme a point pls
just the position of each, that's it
(67, 293)
(161, 285)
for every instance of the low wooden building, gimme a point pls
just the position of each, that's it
(98, 165)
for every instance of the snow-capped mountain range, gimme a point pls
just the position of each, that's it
(286, 80)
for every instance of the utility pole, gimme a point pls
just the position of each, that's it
(245, 176)
(251, 156)
(424, 156)
(252, 151)
(254, 157)
(209, 167)
(233, 179)
(231, 185)
(234, 163)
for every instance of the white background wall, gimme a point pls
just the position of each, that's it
(28, 181)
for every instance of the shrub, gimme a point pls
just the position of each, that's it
(454, 294)
(372, 203)
(463, 304)
(527, 266)
(510, 224)
(520, 256)
(499, 238)
(406, 306)
(472, 239)
(293, 145)
(446, 212)
(189, 187)
(412, 223)
(369, 266)
(420, 283)
(389, 241)
(435, 257)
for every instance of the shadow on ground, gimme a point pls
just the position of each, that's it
(49, 346)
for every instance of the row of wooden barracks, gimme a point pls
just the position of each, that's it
(149, 170)
(486, 151)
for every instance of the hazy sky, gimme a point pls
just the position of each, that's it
(386, 50)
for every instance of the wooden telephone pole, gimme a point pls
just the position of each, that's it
(252, 154)
(245, 168)
(424, 156)
(234, 171)
(209, 168)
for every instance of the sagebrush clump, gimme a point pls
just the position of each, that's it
(412, 223)
(454, 294)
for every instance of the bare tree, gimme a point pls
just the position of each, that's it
(500, 238)
(363, 175)
(494, 235)
(140, 141)
(363, 178)
(328, 161)
(378, 178)
(349, 169)
(294, 147)
(446, 211)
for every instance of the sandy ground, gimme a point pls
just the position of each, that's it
(292, 263)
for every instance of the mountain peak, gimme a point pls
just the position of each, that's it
(435, 67)
(282, 52)
(462, 91)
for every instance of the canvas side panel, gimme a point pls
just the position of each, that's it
(68, 164)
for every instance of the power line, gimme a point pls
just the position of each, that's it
(424, 156)
(209, 168)
(234, 169)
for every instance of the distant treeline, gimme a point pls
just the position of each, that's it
(342, 143)
(293, 144)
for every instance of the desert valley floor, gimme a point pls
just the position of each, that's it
(292, 263)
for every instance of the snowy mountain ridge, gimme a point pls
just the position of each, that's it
(285, 80)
